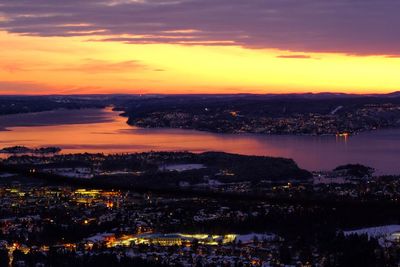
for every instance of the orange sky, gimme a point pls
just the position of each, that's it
(65, 65)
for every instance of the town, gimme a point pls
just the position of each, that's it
(284, 115)
(58, 210)
(56, 225)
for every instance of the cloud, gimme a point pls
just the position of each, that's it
(393, 56)
(361, 27)
(88, 65)
(101, 66)
(294, 56)
(23, 87)
(12, 67)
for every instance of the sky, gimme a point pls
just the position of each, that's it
(199, 46)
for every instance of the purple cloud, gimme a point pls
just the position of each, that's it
(362, 27)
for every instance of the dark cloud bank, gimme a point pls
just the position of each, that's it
(362, 27)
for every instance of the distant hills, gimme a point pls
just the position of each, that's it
(300, 113)
(80, 97)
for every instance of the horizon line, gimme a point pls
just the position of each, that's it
(203, 94)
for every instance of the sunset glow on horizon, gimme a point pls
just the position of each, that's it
(89, 59)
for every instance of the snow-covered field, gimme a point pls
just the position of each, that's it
(383, 233)
(249, 238)
(182, 167)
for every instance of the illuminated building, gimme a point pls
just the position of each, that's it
(175, 239)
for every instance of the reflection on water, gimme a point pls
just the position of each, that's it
(105, 131)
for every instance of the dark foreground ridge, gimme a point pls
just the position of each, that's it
(186, 209)
(25, 150)
(159, 170)
(68, 210)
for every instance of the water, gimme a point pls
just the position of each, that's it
(94, 130)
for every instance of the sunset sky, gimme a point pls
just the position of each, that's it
(199, 46)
